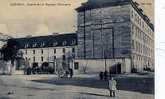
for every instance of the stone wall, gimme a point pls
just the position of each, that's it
(99, 29)
(95, 66)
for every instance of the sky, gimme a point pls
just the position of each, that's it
(37, 20)
(18, 21)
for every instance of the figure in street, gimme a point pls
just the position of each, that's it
(66, 73)
(101, 74)
(105, 75)
(112, 87)
(71, 72)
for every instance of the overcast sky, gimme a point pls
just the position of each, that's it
(20, 21)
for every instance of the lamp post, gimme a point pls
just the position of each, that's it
(103, 44)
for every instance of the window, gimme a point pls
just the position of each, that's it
(135, 17)
(73, 50)
(42, 51)
(133, 44)
(54, 51)
(34, 59)
(132, 14)
(42, 58)
(26, 45)
(42, 44)
(63, 57)
(34, 51)
(35, 45)
(63, 50)
(143, 24)
(73, 42)
(64, 43)
(54, 57)
(55, 43)
(76, 65)
(25, 51)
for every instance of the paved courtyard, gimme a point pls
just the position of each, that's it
(50, 87)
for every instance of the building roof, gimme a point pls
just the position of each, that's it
(140, 12)
(47, 41)
(93, 4)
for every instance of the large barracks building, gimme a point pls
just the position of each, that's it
(114, 32)
(112, 35)
(58, 50)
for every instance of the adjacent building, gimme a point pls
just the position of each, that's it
(114, 35)
(57, 50)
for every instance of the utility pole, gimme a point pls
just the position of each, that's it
(113, 43)
(103, 43)
(84, 56)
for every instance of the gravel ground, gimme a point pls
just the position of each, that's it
(21, 87)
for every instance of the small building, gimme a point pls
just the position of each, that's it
(114, 35)
(57, 50)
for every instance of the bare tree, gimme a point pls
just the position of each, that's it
(84, 68)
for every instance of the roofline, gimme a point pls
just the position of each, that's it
(49, 47)
(86, 6)
(44, 36)
(142, 15)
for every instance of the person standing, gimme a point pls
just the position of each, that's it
(112, 87)
(71, 72)
(101, 74)
(105, 75)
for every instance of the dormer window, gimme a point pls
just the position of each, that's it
(35, 44)
(26, 45)
(64, 43)
(55, 44)
(42, 44)
(73, 42)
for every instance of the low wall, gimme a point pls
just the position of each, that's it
(97, 65)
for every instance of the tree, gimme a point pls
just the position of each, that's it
(9, 53)
(84, 68)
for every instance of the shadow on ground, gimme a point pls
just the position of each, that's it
(86, 93)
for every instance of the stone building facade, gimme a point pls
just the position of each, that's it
(114, 32)
(57, 50)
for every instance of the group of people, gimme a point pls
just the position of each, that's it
(111, 82)
(38, 70)
(68, 73)
(104, 75)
